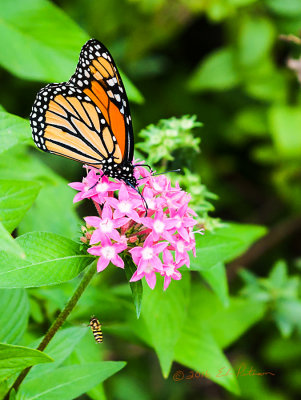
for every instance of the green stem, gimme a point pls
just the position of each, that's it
(59, 320)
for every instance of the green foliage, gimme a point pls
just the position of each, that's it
(161, 140)
(222, 62)
(217, 72)
(163, 315)
(14, 316)
(13, 131)
(49, 259)
(15, 358)
(16, 197)
(136, 287)
(224, 245)
(69, 382)
(280, 292)
(8, 244)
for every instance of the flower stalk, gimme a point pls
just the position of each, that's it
(88, 275)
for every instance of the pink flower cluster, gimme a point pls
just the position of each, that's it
(157, 242)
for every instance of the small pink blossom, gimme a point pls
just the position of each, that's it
(160, 226)
(170, 268)
(108, 252)
(105, 226)
(125, 205)
(158, 238)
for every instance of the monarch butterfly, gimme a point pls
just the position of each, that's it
(88, 118)
(96, 329)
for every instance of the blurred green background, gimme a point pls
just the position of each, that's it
(223, 61)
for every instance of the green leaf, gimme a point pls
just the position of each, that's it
(18, 163)
(53, 211)
(68, 383)
(16, 358)
(12, 394)
(287, 8)
(278, 274)
(8, 244)
(197, 348)
(89, 351)
(224, 245)
(16, 197)
(217, 279)
(163, 314)
(136, 287)
(227, 324)
(217, 72)
(285, 125)
(132, 92)
(13, 130)
(255, 40)
(47, 51)
(50, 259)
(14, 314)
(60, 347)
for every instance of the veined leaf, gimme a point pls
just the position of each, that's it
(14, 314)
(217, 279)
(47, 51)
(9, 244)
(59, 349)
(50, 259)
(16, 358)
(136, 287)
(16, 197)
(224, 245)
(13, 130)
(163, 315)
(67, 383)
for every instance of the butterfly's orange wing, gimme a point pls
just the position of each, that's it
(88, 118)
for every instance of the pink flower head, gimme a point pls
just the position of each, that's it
(158, 241)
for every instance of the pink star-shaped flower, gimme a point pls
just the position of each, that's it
(106, 225)
(147, 259)
(170, 268)
(182, 221)
(125, 205)
(160, 226)
(107, 253)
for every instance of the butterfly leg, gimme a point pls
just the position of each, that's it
(95, 184)
(143, 199)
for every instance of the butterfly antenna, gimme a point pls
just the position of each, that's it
(143, 199)
(162, 173)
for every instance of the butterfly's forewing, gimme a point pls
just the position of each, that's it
(98, 77)
(86, 119)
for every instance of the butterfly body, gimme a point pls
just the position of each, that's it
(88, 119)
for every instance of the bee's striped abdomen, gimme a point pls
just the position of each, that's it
(96, 329)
